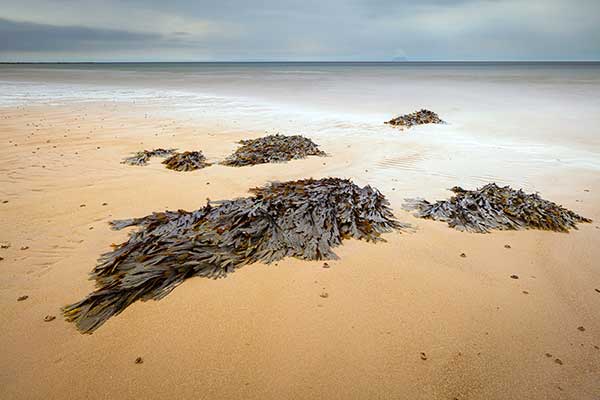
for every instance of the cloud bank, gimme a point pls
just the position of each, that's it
(270, 30)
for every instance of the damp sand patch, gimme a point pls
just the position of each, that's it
(305, 219)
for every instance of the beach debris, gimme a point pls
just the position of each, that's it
(597, 290)
(514, 277)
(186, 161)
(305, 219)
(494, 207)
(4, 245)
(49, 318)
(142, 157)
(272, 149)
(22, 298)
(139, 360)
(420, 117)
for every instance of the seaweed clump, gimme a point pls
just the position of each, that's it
(303, 219)
(142, 157)
(420, 117)
(494, 207)
(186, 161)
(272, 149)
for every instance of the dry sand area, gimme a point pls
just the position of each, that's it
(406, 319)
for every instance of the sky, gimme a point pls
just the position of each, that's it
(305, 30)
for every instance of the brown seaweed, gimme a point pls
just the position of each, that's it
(494, 207)
(272, 149)
(420, 117)
(303, 219)
(186, 161)
(142, 157)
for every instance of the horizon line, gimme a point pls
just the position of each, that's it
(301, 61)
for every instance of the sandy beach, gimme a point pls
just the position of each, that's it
(264, 332)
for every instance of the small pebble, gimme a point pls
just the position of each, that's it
(597, 290)
(104, 204)
(325, 265)
(49, 318)
(558, 361)
(24, 247)
(507, 246)
(139, 360)
(324, 295)
(82, 205)
(548, 355)
(514, 277)
(463, 255)
(581, 329)
(21, 298)
(423, 356)
(4, 245)
(525, 292)
(4, 201)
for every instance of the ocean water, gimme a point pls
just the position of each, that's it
(507, 122)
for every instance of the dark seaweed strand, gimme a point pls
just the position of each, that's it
(272, 149)
(142, 157)
(420, 117)
(305, 219)
(493, 207)
(186, 161)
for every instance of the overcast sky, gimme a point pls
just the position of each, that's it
(237, 30)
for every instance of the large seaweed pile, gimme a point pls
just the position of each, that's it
(186, 161)
(420, 117)
(272, 149)
(142, 157)
(494, 207)
(303, 219)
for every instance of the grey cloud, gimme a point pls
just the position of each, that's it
(25, 36)
(313, 29)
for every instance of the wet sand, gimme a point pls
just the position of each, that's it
(265, 332)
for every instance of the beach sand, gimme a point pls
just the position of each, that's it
(265, 332)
